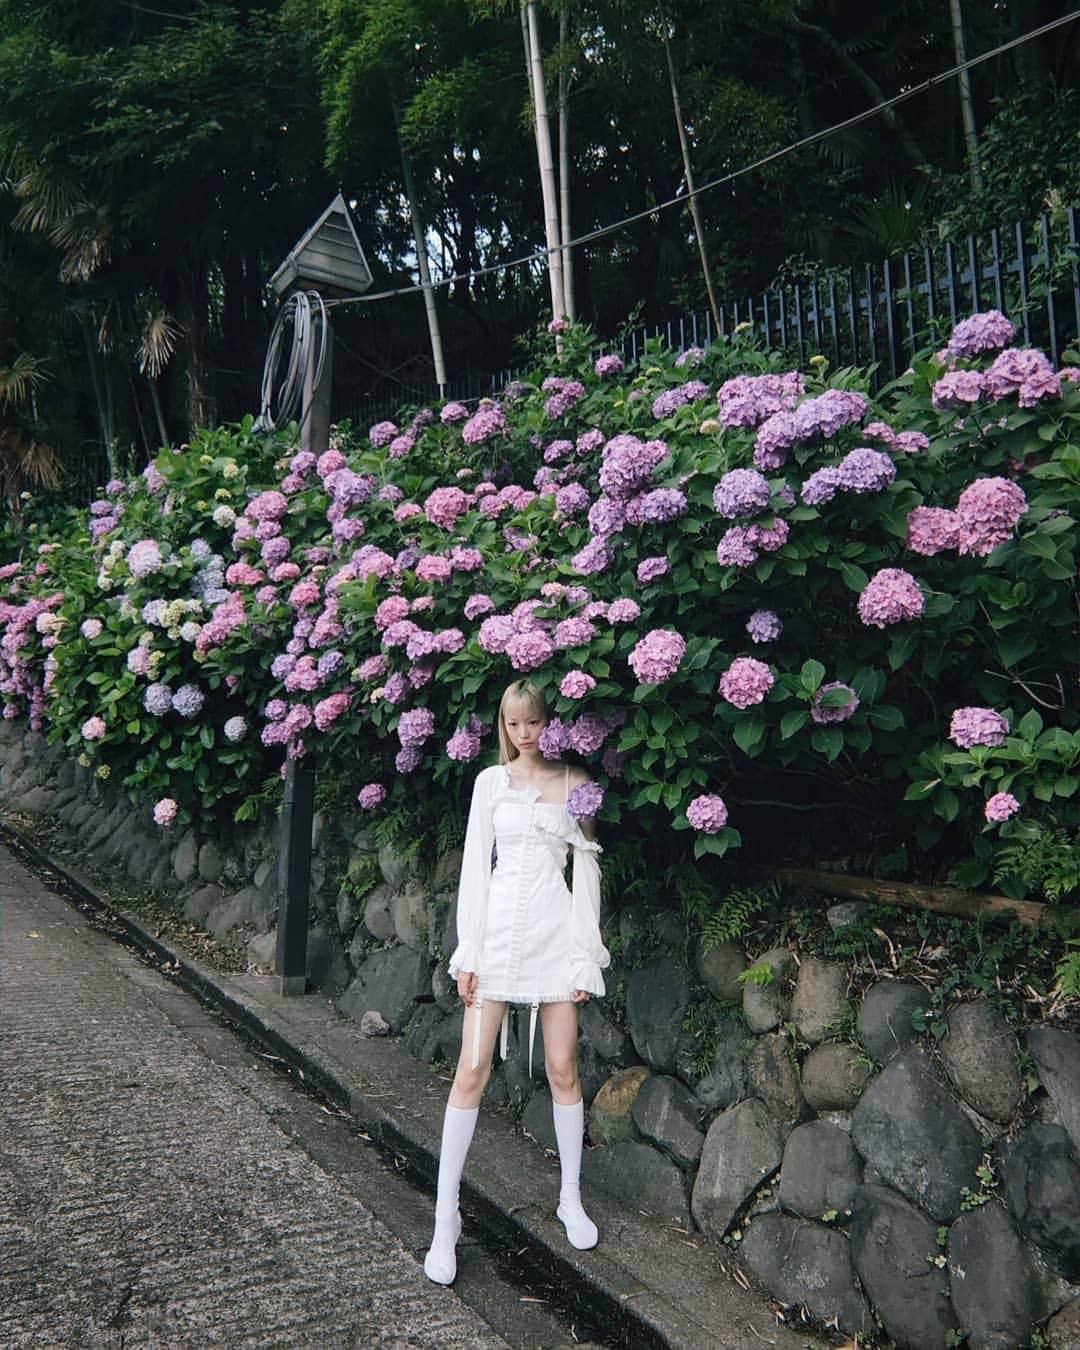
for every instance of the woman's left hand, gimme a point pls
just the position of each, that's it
(581, 996)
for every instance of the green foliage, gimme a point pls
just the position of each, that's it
(761, 974)
(1039, 861)
(731, 918)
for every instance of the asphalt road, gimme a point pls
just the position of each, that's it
(162, 1184)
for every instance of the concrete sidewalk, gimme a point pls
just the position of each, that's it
(651, 1285)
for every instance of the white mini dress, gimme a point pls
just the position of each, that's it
(527, 936)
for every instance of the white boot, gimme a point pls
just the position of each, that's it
(569, 1132)
(440, 1264)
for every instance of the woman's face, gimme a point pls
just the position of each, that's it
(524, 725)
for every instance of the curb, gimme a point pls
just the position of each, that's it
(592, 1287)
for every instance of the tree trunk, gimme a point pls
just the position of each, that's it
(552, 231)
(564, 163)
(194, 317)
(863, 76)
(967, 106)
(688, 173)
(422, 259)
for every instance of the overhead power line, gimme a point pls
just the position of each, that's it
(875, 110)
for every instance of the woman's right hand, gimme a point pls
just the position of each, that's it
(466, 987)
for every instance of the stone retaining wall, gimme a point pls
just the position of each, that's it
(873, 1174)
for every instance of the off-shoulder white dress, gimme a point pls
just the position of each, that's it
(527, 936)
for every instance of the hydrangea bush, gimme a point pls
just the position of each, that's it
(757, 598)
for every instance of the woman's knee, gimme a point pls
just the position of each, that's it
(470, 1081)
(562, 1071)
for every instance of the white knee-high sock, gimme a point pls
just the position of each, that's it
(440, 1264)
(569, 1132)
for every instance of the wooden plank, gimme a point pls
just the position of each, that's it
(941, 899)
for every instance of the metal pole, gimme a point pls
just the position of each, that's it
(294, 875)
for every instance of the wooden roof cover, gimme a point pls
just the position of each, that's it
(328, 258)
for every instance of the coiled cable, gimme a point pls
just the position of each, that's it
(306, 311)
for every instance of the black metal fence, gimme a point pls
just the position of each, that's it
(877, 314)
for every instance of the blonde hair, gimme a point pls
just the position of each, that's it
(530, 698)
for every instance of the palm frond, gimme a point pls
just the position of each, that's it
(158, 339)
(47, 195)
(85, 240)
(18, 381)
(24, 460)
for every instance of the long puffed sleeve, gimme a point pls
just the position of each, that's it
(472, 898)
(588, 955)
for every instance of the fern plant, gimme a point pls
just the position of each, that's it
(732, 918)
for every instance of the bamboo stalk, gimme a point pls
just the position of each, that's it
(552, 230)
(940, 899)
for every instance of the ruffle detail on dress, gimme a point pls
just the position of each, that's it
(566, 828)
(585, 974)
(465, 960)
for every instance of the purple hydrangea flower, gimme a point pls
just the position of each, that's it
(932, 530)
(415, 726)
(977, 726)
(530, 650)
(958, 389)
(657, 656)
(745, 682)
(649, 569)
(890, 596)
(742, 492)
(158, 699)
(554, 739)
(576, 684)
(188, 700)
(764, 626)
(1000, 807)
(371, 795)
(865, 470)
(707, 813)
(585, 801)
(656, 507)
(984, 332)
(463, 745)
(988, 511)
(588, 733)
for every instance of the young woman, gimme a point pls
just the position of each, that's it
(523, 937)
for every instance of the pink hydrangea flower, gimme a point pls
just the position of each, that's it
(382, 433)
(373, 667)
(476, 605)
(463, 745)
(1000, 807)
(745, 682)
(988, 511)
(434, 567)
(165, 811)
(576, 684)
(407, 511)
(371, 795)
(93, 729)
(91, 628)
(305, 594)
(575, 632)
(443, 506)
(487, 422)
(624, 610)
(977, 726)
(529, 650)
(1024, 372)
(890, 596)
(328, 710)
(391, 610)
(657, 656)
(707, 813)
(329, 462)
(958, 389)
(932, 530)
(267, 506)
(608, 365)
